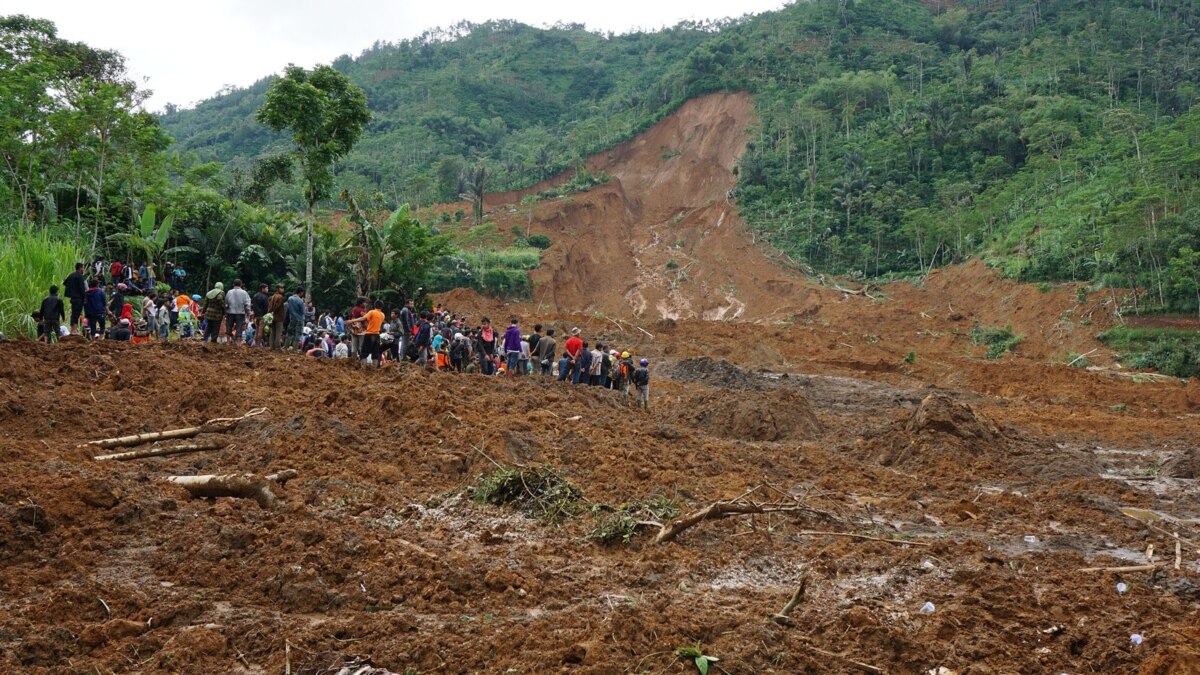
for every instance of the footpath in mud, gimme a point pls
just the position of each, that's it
(976, 507)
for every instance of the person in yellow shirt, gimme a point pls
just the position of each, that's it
(374, 320)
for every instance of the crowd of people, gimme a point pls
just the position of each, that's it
(126, 306)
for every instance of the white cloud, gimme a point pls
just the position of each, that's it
(186, 51)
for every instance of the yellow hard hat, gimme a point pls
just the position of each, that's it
(624, 355)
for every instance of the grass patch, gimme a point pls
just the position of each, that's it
(997, 340)
(1170, 351)
(539, 493)
(30, 261)
(583, 180)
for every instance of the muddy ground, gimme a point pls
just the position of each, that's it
(1007, 478)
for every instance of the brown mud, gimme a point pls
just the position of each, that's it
(376, 554)
(875, 411)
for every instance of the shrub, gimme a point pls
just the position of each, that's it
(539, 493)
(997, 340)
(1170, 351)
(621, 524)
(539, 241)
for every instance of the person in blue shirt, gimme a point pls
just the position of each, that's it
(295, 319)
(95, 307)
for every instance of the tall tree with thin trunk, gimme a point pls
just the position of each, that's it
(326, 114)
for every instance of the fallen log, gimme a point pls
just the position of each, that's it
(726, 509)
(161, 452)
(241, 485)
(1127, 568)
(211, 426)
(714, 511)
(138, 439)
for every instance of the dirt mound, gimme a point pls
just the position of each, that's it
(466, 301)
(1185, 464)
(712, 372)
(775, 415)
(940, 414)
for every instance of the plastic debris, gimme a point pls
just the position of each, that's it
(1121, 587)
(1030, 539)
(927, 608)
(1136, 638)
(927, 564)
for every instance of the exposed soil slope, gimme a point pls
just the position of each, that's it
(661, 239)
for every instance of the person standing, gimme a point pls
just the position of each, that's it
(574, 347)
(295, 319)
(164, 318)
(214, 312)
(407, 322)
(487, 347)
(424, 340)
(593, 375)
(95, 305)
(370, 348)
(116, 271)
(75, 288)
(237, 306)
(260, 303)
(534, 338)
(641, 380)
(150, 314)
(276, 307)
(543, 354)
(583, 366)
(53, 313)
(512, 347)
(356, 328)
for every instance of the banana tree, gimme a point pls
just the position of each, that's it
(150, 237)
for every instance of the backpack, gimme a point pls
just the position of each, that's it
(458, 350)
(641, 377)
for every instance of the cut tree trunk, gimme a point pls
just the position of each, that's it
(241, 485)
(162, 452)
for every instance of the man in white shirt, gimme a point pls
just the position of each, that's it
(237, 306)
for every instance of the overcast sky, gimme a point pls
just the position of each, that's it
(188, 51)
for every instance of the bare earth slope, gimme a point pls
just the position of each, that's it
(661, 239)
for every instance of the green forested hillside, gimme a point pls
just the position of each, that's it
(1056, 137)
(526, 102)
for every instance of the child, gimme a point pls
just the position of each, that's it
(564, 367)
(164, 321)
(187, 323)
(41, 326)
(342, 350)
(641, 380)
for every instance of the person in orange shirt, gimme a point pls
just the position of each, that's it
(374, 320)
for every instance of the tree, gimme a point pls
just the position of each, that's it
(1185, 273)
(148, 238)
(326, 114)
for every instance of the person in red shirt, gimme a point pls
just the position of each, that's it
(574, 343)
(574, 346)
(355, 327)
(116, 270)
(371, 347)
